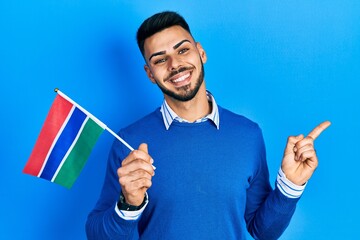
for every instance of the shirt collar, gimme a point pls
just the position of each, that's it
(169, 116)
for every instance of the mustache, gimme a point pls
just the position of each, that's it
(173, 73)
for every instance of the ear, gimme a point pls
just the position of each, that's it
(149, 73)
(202, 52)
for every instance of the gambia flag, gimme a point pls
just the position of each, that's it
(65, 142)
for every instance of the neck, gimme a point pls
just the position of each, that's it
(193, 109)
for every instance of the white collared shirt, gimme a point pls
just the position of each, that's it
(169, 115)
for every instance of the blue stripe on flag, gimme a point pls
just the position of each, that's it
(63, 143)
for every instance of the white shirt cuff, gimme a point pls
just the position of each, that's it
(131, 215)
(288, 188)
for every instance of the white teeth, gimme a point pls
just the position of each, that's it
(181, 78)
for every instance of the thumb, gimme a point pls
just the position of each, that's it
(291, 143)
(293, 140)
(143, 147)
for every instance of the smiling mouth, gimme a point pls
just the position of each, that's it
(180, 79)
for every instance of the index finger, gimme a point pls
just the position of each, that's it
(319, 129)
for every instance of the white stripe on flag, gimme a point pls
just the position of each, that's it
(70, 148)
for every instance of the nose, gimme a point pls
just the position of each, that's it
(173, 63)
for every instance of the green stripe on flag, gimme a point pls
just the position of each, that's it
(78, 156)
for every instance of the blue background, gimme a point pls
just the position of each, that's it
(288, 65)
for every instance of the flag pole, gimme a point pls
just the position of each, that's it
(101, 124)
(119, 138)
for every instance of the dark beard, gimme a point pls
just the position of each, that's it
(187, 93)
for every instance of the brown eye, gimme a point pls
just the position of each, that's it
(184, 50)
(162, 60)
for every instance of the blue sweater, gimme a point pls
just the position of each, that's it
(209, 184)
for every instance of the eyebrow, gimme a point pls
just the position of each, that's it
(176, 46)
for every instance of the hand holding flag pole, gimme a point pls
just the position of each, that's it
(65, 142)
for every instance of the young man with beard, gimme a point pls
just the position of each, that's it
(212, 179)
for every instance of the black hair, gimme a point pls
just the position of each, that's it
(157, 23)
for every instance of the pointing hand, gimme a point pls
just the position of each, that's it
(300, 160)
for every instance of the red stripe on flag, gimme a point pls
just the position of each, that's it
(54, 120)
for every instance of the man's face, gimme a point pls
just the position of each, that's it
(175, 63)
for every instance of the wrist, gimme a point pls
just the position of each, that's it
(123, 205)
(287, 187)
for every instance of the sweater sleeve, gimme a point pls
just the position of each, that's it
(103, 221)
(268, 212)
